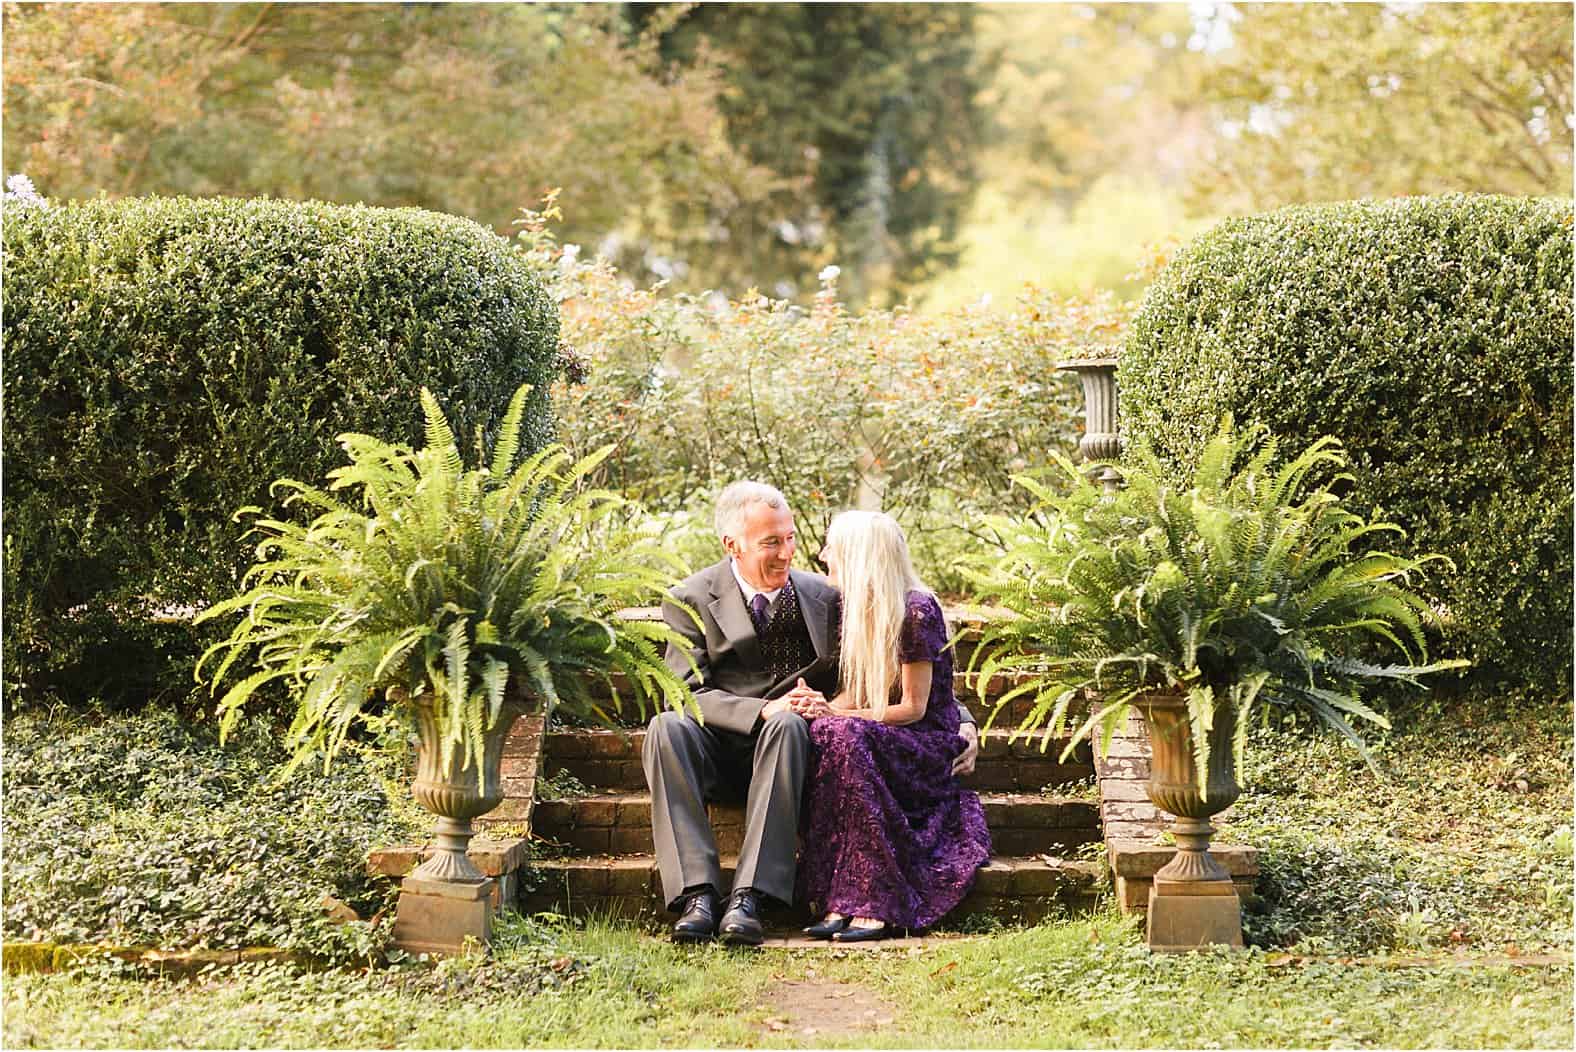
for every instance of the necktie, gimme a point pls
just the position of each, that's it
(758, 605)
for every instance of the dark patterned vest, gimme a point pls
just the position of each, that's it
(786, 643)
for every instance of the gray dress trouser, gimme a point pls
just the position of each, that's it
(687, 764)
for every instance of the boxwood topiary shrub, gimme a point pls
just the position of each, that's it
(1433, 337)
(168, 358)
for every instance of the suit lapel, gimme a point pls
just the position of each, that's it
(732, 617)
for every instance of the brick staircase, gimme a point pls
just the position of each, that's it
(593, 850)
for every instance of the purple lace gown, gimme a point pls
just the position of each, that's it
(888, 831)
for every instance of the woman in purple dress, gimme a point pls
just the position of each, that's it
(890, 839)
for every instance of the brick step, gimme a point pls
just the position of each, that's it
(1010, 888)
(620, 823)
(610, 760)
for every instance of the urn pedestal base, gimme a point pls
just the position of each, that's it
(436, 916)
(1188, 914)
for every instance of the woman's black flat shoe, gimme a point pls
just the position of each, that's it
(826, 929)
(861, 934)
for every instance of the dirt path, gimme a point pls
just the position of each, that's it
(821, 1008)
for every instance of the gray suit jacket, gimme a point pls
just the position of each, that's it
(733, 685)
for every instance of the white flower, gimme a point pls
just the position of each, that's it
(19, 190)
(830, 272)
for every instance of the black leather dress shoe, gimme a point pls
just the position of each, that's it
(741, 925)
(698, 919)
(862, 934)
(825, 929)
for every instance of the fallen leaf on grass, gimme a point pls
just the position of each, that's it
(944, 968)
(777, 1024)
(884, 1020)
(561, 963)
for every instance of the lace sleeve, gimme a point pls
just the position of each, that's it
(924, 630)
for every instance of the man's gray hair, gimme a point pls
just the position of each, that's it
(732, 502)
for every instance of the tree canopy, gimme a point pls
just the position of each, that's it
(728, 146)
(1326, 102)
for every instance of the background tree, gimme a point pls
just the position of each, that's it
(1326, 102)
(1093, 128)
(871, 107)
(933, 151)
(468, 109)
(1078, 91)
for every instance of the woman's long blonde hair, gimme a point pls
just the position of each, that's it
(875, 576)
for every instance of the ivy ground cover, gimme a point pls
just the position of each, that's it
(1429, 910)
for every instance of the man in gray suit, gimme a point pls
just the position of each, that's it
(766, 663)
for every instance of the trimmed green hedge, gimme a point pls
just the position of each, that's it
(1433, 336)
(168, 358)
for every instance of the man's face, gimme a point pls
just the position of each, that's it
(765, 549)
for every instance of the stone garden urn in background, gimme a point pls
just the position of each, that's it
(1101, 440)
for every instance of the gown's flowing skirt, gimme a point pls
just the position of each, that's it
(888, 832)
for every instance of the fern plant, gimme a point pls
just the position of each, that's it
(446, 586)
(1250, 586)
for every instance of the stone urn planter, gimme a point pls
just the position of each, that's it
(1193, 901)
(446, 901)
(453, 790)
(1218, 590)
(487, 585)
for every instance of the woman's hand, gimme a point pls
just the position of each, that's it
(807, 701)
(915, 683)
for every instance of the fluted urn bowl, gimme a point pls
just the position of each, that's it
(1100, 440)
(451, 785)
(1174, 783)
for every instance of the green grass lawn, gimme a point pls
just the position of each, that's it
(1391, 913)
(1078, 982)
